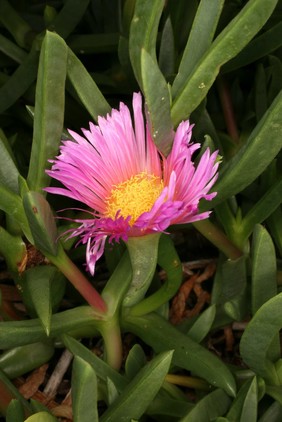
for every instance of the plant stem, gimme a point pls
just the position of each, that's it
(218, 238)
(111, 334)
(78, 280)
(191, 382)
(227, 108)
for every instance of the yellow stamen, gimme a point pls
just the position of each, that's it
(134, 196)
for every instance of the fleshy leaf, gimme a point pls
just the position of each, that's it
(138, 394)
(229, 42)
(258, 338)
(235, 409)
(264, 279)
(143, 253)
(169, 260)
(263, 208)
(203, 324)
(15, 411)
(273, 413)
(200, 39)
(69, 17)
(14, 250)
(157, 102)
(23, 359)
(84, 392)
(19, 81)
(37, 284)
(161, 335)
(9, 392)
(213, 405)
(102, 369)
(49, 109)
(136, 359)
(259, 47)
(229, 287)
(12, 205)
(9, 173)
(143, 32)
(42, 223)
(240, 171)
(167, 50)
(85, 87)
(41, 417)
(250, 406)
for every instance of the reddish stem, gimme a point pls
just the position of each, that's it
(227, 108)
(79, 281)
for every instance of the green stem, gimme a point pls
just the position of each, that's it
(110, 331)
(186, 381)
(218, 238)
(113, 294)
(78, 280)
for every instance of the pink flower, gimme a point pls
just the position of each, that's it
(131, 189)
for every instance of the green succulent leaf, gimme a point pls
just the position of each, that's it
(228, 43)
(86, 88)
(42, 417)
(264, 279)
(235, 409)
(250, 406)
(15, 411)
(273, 413)
(49, 109)
(161, 335)
(12, 50)
(79, 321)
(9, 173)
(259, 47)
(263, 207)
(143, 252)
(167, 50)
(203, 324)
(157, 102)
(84, 392)
(12, 205)
(9, 392)
(41, 222)
(261, 148)
(199, 41)
(169, 260)
(229, 287)
(102, 370)
(258, 338)
(69, 17)
(138, 394)
(143, 32)
(211, 406)
(136, 359)
(23, 359)
(14, 23)
(19, 81)
(14, 250)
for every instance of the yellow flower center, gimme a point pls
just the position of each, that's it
(134, 196)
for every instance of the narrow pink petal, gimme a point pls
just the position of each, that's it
(153, 162)
(139, 128)
(94, 251)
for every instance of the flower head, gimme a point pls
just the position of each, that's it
(131, 189)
